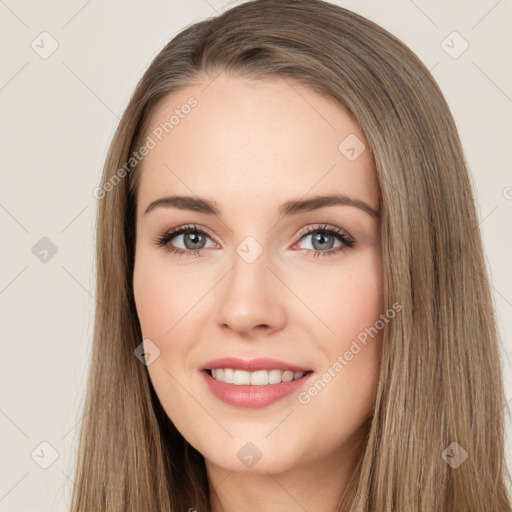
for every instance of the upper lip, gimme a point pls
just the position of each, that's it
(252, 365)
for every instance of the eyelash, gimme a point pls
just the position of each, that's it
(347, 240)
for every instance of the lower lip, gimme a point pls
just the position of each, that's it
(252, 397)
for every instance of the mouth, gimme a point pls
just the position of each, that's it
(257, 385)
(253, 383)
(255, 378)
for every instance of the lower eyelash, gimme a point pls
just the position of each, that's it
(181, 252)
(163, 241)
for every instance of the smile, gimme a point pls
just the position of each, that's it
(253, 390)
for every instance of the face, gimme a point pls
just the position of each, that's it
(285, 291)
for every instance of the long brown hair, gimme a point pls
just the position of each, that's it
(440, 381)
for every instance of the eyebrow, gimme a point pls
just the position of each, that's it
(292, 207)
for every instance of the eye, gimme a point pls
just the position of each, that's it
(192, 238)
(323, 239)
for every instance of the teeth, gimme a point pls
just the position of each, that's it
(258, 378)
(242, 377)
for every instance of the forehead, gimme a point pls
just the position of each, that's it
(250, 141)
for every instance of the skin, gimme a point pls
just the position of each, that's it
(250, 146)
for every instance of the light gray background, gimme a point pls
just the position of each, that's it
(57, 118)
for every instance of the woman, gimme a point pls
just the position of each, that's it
(236, 368)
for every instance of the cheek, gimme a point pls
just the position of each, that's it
(161, 301)
(349, 301)
(360, 321)
(163, 296)
(346, 299)
(154, 300)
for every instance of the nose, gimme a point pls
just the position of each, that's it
(251, 298)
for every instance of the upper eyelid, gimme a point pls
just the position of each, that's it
(189, 227)
(321, 227)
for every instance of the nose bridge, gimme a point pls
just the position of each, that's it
(249, 297)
